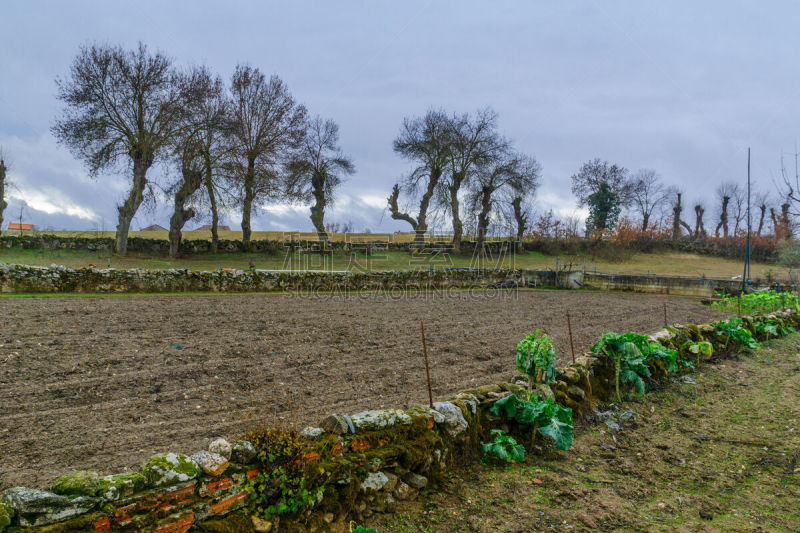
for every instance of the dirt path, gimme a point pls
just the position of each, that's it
(102, 383)
(719, 455)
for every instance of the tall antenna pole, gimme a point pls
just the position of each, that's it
(747, 245)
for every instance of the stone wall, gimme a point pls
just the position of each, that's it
(356, 464)
(54, 279)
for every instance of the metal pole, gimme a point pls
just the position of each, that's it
(747, 245)
(427, 368)
(665, 314)
(571, 345)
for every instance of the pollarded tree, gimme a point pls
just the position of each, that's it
(647, 195)
(514, 172)
(596, 173)
(121, 106)
(317, 168)
(198, 148)
(266, 125)
(475, 144)
(426, 141)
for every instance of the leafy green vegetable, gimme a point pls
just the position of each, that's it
(536, 357)
(699, 348)
(629, 352)
(758, 302)
(548, 417)
(504, 447)
(733, 331)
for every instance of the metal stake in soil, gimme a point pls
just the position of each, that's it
(427, 368)
(571, 345)
(665, 314)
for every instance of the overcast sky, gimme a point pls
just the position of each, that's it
(681, 87)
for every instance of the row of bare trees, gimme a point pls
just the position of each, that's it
(463, 156)
(246, 143)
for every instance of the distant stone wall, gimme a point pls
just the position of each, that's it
(680, 285)
(357, 464)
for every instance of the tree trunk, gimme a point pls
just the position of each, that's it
(318, 209)
(519, 216)
(212, 200)
(3, 203)
(775, 224)
(699, 229)
(458, 228)
(785, 221)
(763, 208)
(128, 209)
(676, 219)
(247, 203)
(483, 220)
(394, 209)
(192, 180)
(645, 222)
(723, 217)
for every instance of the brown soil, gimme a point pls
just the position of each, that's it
(102, 383)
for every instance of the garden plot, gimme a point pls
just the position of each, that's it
(103, 383)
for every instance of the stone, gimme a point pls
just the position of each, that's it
(35, 507)
(570, 375)
(81, 483)
(335, 424)
(374, 481)
(243, 452)
(391, 504)
(168, 469)
(544, 392)
(391, 481)
(377, 419)
(687, 380)
(328, 517)
(438, 418)
(221, 447)
(576, 393)
(403, 491)
(415, 480)
(118, 486)
(311, 432)
(469, 399)
(455, 423)
(212, 464)
(260, 525)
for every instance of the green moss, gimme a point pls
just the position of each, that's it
(122, 485)
(6, 514)
(238, 522)
(81, 483)
(168, 468)
(80, 523)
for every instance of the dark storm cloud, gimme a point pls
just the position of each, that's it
(681, 87)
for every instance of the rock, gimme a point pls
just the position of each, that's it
(391, 504)
(404, 491)
(260, 525)
(455, 423)
(576, 393)
(243, 452)
(544, 391)
(570, 375)
(687, 379)
(469, 399)
(391, 481)
(438, 418)
(613, 425)
(374, 481)
(212, 464)
(118, 486)
(168, 469)
(335, 424)
(81, 483)
(221, 447)
(415, 480)
(6, 514)
(379, 419)
(35, 507)
(311, 432)
(328, 517)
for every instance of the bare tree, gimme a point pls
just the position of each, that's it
(475, 145)
(514, 171)
(3, 203)
(517, 203)
(739, 205)
(724, 192)
(426, 142)
(266, 126)
(677, 211)
(647, 194)
(198, 147)
(317, 169)
(121, 105)
(760, 202)
(596, 173)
